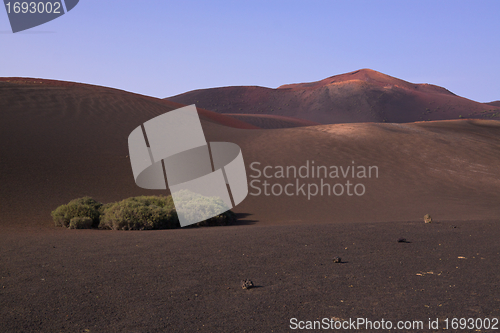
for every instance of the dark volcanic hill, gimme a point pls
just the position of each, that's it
(361, 96)
(63, 140)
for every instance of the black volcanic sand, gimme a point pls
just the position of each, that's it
(187, 280)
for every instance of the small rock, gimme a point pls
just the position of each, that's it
(247, 284)
(337, 260)
(401, 240)
(427, 218)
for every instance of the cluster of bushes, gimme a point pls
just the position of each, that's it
(137, 213)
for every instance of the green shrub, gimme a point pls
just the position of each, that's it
(80, 223)
(140, 213)
(160, 201)
(82, 207)
(103, 208)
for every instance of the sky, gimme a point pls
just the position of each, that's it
(164, 48)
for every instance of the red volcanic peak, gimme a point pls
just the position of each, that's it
(360, 96)
(364, 75)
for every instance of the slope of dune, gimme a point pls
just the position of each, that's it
(446, 168)
(361, 96)
(271, 121)
(41, 85)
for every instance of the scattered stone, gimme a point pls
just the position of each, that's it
(427, 218)
(247, 284)
(401, 240)
(337, 260)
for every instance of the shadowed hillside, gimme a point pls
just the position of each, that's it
(63, 140)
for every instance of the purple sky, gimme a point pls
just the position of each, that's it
(164, 48)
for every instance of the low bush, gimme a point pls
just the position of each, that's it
(141, 213)
(82, 207)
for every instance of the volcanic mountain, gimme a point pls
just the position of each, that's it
(361, 96)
